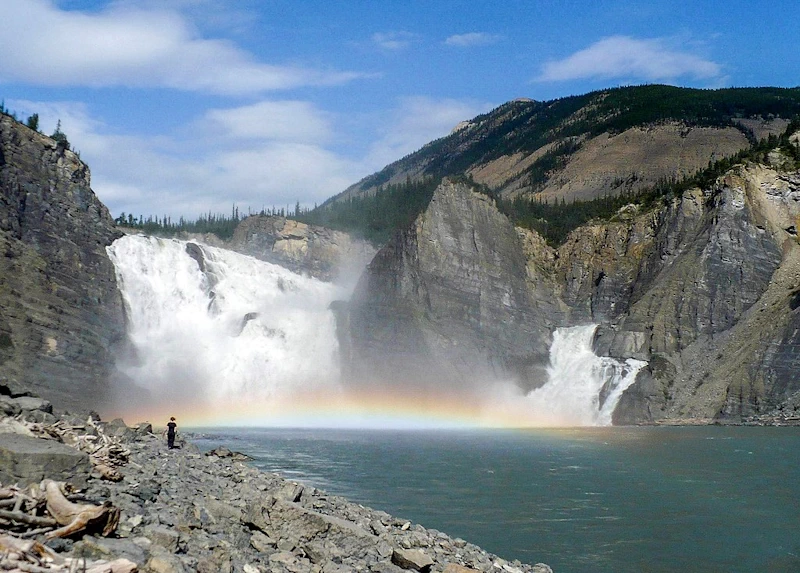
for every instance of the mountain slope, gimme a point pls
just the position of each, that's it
(703, 286)
(581, 147)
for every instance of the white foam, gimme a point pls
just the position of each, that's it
(576, 378)
(189, 328)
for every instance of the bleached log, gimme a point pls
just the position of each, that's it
(107, 472)
(116, 566)
(21, 517)
(76, 517)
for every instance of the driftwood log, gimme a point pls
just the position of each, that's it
(33, 557)
(77, 517)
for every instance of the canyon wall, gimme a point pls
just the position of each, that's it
(60, 312)
(705, 287)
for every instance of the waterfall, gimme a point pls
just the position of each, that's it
(582, 388)
(223, 338)
(210, 325)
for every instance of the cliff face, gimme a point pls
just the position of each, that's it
(705, 288)
(60, 311)
(717, 322)
(319, 252)
(448, 302)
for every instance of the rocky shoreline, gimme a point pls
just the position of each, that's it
(182, 510)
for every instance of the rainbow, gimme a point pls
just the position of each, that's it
(383, 408)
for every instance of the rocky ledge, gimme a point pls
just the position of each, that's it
(183, 510)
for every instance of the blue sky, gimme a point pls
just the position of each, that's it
(187, 106)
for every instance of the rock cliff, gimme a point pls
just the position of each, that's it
(450, 301)
(60, 311)
(717, 320)
(319, 252)
(705, 287)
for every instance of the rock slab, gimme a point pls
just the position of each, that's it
(26, 460)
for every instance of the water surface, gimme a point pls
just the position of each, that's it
(588, 500)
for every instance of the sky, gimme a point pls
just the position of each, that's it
(183, 107)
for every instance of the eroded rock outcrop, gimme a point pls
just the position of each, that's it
(60, 311)
(718, 319)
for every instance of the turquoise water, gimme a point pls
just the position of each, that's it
(589, 500)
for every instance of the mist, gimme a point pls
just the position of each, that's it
(218, 338)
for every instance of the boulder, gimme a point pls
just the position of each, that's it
(412, 559)
(32, 403)
(25, 460)
(118, 429)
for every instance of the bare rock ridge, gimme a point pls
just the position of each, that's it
(60, 310)
(705, 288)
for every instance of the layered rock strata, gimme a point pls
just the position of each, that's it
(60, 311)
(307, 249)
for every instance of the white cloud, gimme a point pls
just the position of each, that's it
(631, 58)
(194, 170)
(472, 39)
(297, 121)
(415, 122)
(123, 46)
(271, 153)
(393, 41)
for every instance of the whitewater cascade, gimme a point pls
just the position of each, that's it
(238, 327)
(583, 389)
(224, 338)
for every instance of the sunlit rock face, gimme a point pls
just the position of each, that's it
(60, 311)
(446, 304)
(318, 252)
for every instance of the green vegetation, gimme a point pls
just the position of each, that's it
(220, 225)
(525, 126)
(375, 217)
(60, 137)
(33, 122)
(555, 221)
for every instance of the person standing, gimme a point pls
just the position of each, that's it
(172, 429)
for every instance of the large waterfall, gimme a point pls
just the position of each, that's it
(223, 338)
(238, 329)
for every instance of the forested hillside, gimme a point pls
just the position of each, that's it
(376, 212)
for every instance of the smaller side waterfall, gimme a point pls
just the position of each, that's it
(582, 389)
